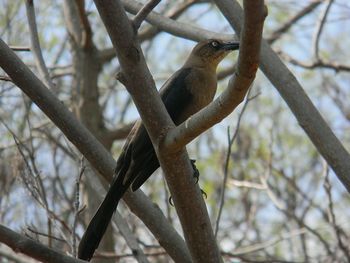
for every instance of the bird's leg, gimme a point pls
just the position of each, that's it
(195, 170)
(170, 200)
(196, 176)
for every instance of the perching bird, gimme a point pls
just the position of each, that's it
(187, 91)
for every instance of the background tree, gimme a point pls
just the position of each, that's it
(276, 177)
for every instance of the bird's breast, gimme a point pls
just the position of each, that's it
(202, 85)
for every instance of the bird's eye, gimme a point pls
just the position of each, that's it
(215, 43)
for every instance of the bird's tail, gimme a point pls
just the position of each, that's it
(99, 223)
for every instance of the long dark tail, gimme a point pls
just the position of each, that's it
(99, 223)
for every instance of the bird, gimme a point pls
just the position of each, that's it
(187, 91)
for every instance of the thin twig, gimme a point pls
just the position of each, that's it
(94, 151)
(46, 235)
(228, 155)
(77, 209)
(6, 78)
(19, 48)
(293, 20)
(246, 184)
(143, 13)
(32, 181)
(319, 28)
(86, 39)
(269, 243)
(332, 218)
(121, 224)
(35, 44)
(37, 175)
(315, 64)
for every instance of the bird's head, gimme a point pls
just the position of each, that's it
(210, 52)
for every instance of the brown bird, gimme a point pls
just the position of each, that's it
(187, 91)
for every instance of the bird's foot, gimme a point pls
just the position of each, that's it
(195, 170)
(196, 177)
(202, 192)
(171, 201)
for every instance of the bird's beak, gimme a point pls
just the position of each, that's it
(230, 46)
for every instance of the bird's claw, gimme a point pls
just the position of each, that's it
(196, 176)
(202, 192)
(195, 171)
(171, 201)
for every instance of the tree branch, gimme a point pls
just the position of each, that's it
(319, 28)
(143, 13)
(173, 27)
(86, 40)
(300, 104)
(35, 44)
(319, 63)
(90, 147)
(194, 217)
(117, 220)
(154, 219)
(135, 73)
(33, 248)
(13, 257)
(56, 111)
(163, 23)
(239, 84)
(228, 158)
(20, 48)
(119, 133)
(290, 22)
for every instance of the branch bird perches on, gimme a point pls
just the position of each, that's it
(186, 92)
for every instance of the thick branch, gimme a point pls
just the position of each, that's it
(99, 192)
(166, 23)
(33, 248)
(94, 152)
(153, 218)
(194, 216)
(9, 254)
(87, 144)
(135, 73)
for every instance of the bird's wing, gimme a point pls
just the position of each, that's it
(136, 163)
(176, 94)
